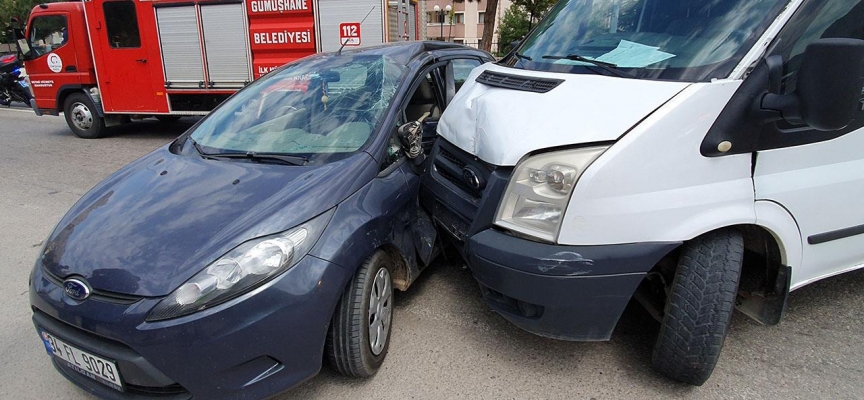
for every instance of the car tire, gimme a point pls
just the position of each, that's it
(82, 116)
(699, 307)
(355, 346)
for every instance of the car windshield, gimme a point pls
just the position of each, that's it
(321, 109)
(687, 40)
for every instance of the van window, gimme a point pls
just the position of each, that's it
(122, 23)
(48, 33)
(817, 20)
(686, 40)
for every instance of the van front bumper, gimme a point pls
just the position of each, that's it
(561, 292)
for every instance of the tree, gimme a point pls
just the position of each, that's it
(514, 26)
(14, 8)
(535, 9)
(489, 24)
(518, 20)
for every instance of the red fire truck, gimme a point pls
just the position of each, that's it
(105, 62)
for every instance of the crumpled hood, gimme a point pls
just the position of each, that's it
(155, 223)
(500, 126)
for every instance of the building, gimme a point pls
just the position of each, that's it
(465, 25)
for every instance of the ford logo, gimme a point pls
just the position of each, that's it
(76, 289)
(472, 178)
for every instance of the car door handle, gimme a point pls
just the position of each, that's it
(71, 68)
(142, 60)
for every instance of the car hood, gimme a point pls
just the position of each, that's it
(156, 222)
(500, 126)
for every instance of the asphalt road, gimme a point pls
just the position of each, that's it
(446, 343)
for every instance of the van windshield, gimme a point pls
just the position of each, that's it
(685, 40)
(320, 109)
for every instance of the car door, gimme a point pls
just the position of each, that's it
(430, 91)
(817, 176)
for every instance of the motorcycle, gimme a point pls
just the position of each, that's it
(13, 86)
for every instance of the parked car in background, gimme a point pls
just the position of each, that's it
(269, 236)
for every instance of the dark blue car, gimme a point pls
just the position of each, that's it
(227, 263)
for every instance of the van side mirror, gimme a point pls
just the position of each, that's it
(829, 88)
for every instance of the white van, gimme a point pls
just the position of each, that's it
(696, 156)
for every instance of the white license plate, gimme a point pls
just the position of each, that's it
(89, 365)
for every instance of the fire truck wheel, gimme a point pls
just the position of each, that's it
(82, 117)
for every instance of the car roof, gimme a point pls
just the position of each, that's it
(404, 52)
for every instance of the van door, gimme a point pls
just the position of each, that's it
(123, 63)
(817, 176)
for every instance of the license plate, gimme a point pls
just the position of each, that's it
(85, 363)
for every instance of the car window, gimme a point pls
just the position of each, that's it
(461, 69)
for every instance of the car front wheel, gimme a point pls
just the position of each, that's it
(359, 334)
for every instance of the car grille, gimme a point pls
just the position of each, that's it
(515, 82)
(98, 295)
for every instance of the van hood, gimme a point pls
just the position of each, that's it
(160, 220)
(500, 126)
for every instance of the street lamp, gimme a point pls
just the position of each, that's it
(440, 13)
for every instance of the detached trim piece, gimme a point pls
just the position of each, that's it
(836, 235)
(515, 82)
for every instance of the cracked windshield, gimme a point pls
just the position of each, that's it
(320, 110)
(690, 40)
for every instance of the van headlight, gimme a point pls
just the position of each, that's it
(242, 269)
(539, 191)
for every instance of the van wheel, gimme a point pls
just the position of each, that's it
(82, 117)
(699, 307)
(359, 334)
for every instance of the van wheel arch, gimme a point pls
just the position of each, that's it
(762, 284)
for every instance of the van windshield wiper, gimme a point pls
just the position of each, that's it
(606, 66)
(522, 56)
(255, 156)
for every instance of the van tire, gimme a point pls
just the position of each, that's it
(83, 117)
(699, 307)
(348, 344)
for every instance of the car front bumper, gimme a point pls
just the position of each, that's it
(562, 292)
(253, 346)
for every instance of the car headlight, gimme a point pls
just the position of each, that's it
(241, 270)
(539, 191)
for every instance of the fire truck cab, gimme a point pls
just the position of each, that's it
(105, 62)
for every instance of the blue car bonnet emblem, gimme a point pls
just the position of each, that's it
(76, 289)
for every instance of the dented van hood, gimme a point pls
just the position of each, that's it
(501, 125)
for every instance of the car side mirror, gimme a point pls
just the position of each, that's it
(829, 87)
(411, 136)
